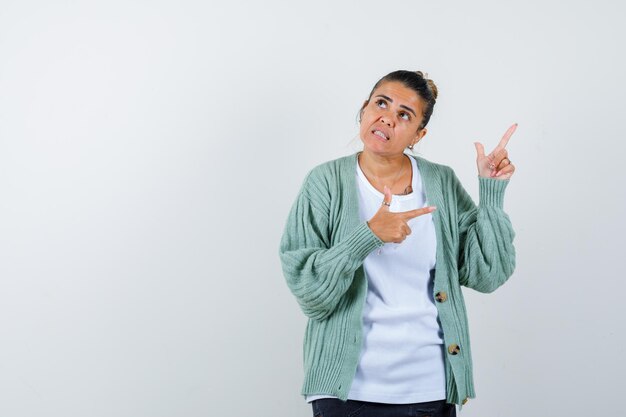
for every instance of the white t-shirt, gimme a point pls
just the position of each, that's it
(402, 357)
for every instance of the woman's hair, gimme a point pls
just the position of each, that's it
(416, 81)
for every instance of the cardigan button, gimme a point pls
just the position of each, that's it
(441, 296)
(465, 400)
(453, 349)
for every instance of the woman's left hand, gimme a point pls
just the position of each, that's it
(497, 164)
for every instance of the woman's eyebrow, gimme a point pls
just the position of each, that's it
(401, 105)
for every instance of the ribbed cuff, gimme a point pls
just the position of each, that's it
(491, 191)
(362, 241)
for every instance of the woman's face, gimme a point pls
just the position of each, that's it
(390, 119)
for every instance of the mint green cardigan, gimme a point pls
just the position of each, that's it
(323, 247)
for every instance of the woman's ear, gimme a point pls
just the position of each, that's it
(363, 108)
(420, 135)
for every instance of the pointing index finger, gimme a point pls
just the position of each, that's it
(417, 212)
(505, 139)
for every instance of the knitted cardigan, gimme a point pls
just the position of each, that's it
(323, 247)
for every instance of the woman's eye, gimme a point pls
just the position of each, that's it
(380, 103)
(403, 114)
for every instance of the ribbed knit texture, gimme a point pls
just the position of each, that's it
(323, 247)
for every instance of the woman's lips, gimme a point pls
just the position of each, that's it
(379, 135)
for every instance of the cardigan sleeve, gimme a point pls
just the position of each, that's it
(318, 273)
(486, 251)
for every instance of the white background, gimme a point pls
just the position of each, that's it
(150, 152)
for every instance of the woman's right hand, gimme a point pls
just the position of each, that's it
(393, 227)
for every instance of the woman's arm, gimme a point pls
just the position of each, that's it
(317, 273)
(487, 254)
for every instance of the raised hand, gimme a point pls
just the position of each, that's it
(393, 227)
(497, 164)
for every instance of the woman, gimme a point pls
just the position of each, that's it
(375, 250)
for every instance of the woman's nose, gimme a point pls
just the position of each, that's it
(386, 120)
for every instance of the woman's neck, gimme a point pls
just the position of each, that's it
(382, 167)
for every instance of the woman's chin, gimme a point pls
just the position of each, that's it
(378, 148)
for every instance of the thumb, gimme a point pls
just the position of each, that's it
(480, 150)
(387, 199)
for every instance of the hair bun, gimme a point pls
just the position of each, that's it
(433, 88)
(431, 84)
